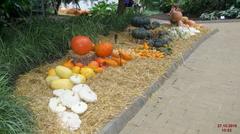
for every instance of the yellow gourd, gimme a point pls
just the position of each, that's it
(87, 72)
(50, 78)
(63, 72)
(51, 72)
(61, 84)
(76, 69)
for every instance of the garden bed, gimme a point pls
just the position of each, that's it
(116, 87)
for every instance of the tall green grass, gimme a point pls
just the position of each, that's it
(40, 40)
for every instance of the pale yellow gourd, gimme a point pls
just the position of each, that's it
(76, 69)
(49, 79)
(63, 72)
(61, 84)
(87, 72)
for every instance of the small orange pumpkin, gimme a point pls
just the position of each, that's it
(100, 61)
(93, 64)
(104, 49)
(69, 64)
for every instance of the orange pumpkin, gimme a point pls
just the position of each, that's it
(93, 64)
(69, 64)
(81, 44)
(176, 16)
(104, 49)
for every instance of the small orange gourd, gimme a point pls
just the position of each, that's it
(93, 64)
(120, 61)
(79, 64)
(69, 64)
(111, 63)
(126, 56)
(99, 70)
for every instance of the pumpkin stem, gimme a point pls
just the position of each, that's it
(120, 56)
(115, 38)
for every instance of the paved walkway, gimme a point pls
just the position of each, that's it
(201, 94)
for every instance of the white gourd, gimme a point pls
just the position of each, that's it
(55, 105)
(69, 100)
(77, 79)
(85, 93)
(79, 108)
(70, 120)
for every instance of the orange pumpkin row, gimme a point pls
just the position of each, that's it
(82, 45)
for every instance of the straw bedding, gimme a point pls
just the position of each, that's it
(116, 87)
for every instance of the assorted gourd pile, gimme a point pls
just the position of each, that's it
(71, 95)
(157, 38)
(146, 51)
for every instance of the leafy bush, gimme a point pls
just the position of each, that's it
(197, 7)
(25, 46)
(165, 5)
(104, 8)
(230, 13)
(14, 8)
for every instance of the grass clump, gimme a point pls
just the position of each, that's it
(27, 45)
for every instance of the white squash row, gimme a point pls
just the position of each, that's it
(68, 104)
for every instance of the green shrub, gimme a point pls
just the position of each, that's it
(197, 7)
(165, 5)
(230, 13)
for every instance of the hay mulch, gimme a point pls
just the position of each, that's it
(116, 87)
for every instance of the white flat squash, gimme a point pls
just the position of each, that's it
(55, 105)
(70, 120)
(79, 108)
(69, 100)
(84, 92)
(61, 92)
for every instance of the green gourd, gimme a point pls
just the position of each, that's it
(140, 21)
(141, 33)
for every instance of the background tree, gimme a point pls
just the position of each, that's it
(121, 7)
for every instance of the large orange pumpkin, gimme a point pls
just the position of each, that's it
(81, 44)
(104, 49)
(176, 16)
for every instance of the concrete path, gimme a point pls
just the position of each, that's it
(201, 95)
